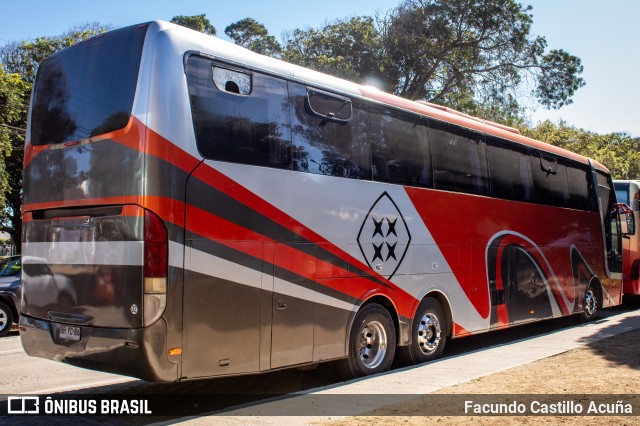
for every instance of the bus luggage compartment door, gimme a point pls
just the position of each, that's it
(222, 314)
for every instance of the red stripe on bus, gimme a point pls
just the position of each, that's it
(459, 330)
(226, 185)
(503, 315)
(288, 257)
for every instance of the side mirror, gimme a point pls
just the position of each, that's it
(630, 220)
(631, 224)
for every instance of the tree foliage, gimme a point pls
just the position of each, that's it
(619, 152)
(14, 95)
(478, 56)
(350, 48)
(13, 112)
(455, 51)
(23, 57)
(252, 35)
(473, 55)
(195, 22)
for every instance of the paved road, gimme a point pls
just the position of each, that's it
(20, 374)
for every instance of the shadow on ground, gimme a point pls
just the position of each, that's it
(625, 351)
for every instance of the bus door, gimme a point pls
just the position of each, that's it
(613, 236)
(222, 287)
(222, 314)
(627, 220)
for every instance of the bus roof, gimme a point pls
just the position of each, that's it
(220, 49)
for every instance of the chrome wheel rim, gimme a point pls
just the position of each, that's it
(3, 319)
(429, 333)
(590, 304)
(372, 345)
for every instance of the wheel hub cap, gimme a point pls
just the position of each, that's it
(590, 304)
(429, 334)
(372, 345)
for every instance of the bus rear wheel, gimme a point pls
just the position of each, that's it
(428, 334)
(372, 343)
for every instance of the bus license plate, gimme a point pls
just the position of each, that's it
(68, 332)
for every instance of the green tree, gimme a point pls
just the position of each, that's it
(619, 152)
(457, 52)
(478, 56)
(352, 49)
(195, 22)
(23, 57)
(14, 94)
(252, 35)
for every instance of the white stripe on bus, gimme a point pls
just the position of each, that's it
(117, 253)
(206, 264)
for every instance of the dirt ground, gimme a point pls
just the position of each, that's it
(610, 366)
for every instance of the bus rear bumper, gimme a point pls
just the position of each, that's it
(139, 352)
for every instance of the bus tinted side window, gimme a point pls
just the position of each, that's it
(329, 135)
(509, 170)
(550, 180)
(458, 156)
(239, 116)
(581, 188)
(400, 149)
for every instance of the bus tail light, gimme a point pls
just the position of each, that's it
(156, 255)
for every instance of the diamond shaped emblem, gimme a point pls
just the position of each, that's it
(384, 237)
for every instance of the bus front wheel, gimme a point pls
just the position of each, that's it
(590, 308)
(428, 334)
(372, 343)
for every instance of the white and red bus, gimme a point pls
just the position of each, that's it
(628, 192)
(193, 209)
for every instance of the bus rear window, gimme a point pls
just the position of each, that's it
(87, 89)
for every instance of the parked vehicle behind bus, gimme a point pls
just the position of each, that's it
(214, 212)
(628, 192)
(9, 293)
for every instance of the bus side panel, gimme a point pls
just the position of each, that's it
(344, 221)
(529, 268)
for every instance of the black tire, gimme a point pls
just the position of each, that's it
(372, 344)
(428, 334)
(6, 319)
(590, 306)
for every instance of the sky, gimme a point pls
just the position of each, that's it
(604, 34)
